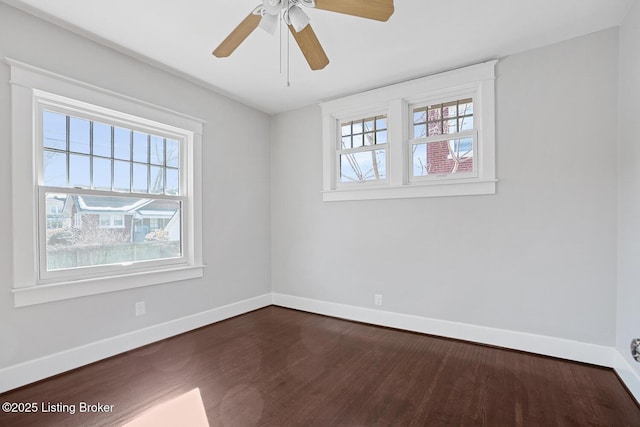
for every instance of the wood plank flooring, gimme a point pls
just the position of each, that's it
(280, 367)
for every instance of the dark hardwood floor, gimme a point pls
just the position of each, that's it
(280, 367)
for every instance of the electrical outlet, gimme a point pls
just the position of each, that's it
(635, 349)
(377, 299)
(140, 308)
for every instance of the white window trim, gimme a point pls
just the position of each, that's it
(476, 81)
(28, 83)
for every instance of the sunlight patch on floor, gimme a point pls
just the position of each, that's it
(184, 410)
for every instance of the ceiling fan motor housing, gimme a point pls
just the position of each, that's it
(274, 7)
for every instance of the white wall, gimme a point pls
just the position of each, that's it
(538, 257)
(235, 206)
(628, 326)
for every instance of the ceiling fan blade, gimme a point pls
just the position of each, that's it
(237, 36)
(310, 47)
(380, 10)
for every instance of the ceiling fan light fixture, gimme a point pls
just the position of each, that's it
(272, 7)
(298, 18)
(269, 23)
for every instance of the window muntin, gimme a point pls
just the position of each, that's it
(443, 140)
(89, 154)
(442, 119)
(362, 153)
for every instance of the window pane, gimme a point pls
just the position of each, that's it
(450, 126)
(55, 169)
(79, 171)
(173, 182)
(121, 143)
(140, 178)
(157, 150)
(435, 128)
(434, 113)
(108, 230)
(381, 137)
(368, 125)
(465, 107)
(357, 127)
(449, 110)
(443, 157)
(54, 130)
(419, 131)
(465, 123)
(140, 147)
(364, 166)
(101, 139)
(346, 142)
(346, 129)
(358, 140)
(118, 220)
(381, 122)
(419, 116)
(101, 173)
(173, 153)
(157, 180)
(121, 176)
(79, 135)
(370, 138)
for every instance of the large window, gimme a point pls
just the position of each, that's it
(427, 137)
(110, 201)
(97, 161)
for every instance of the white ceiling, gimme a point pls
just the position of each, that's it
(422, 37)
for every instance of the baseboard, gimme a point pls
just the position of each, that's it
(38, 369)
(627, 374)
(539, 344)
(44, 367)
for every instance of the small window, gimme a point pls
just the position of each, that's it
(433, 136)
(362, 154)
(443, 140)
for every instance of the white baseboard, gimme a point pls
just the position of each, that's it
(539, 344)
(38, 369)
(44, 367)
(627, 374)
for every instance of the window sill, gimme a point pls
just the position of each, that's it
(39, 294)
(415, 190)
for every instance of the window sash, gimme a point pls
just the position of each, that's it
(441, 138)
(366, 149)
(87, 272)
(49, 105)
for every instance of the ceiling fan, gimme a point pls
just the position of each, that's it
(268, 14)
